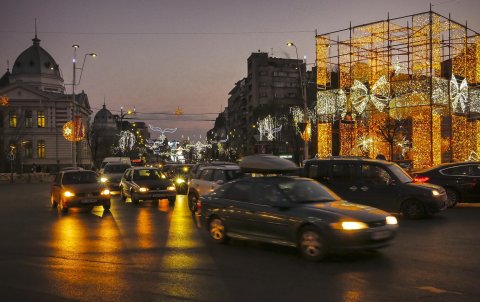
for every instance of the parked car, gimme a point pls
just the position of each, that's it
(461, 180)
(210, 178)
(140, 183)
(178, 174)
(117, 159)
(112, 174)
(294, 211)
(377, 183)
(78, 189)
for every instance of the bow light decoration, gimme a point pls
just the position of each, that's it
(458, 95)
(379, 95)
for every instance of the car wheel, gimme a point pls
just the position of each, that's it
(192, 201)
(53, 202)
(413, 209)
(134, 198)
(172, 198)
(62, 208)
(216, 229)
(453, 197)
(311, 244)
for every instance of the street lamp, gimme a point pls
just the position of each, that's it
(304, 97)
(74, 83)
(122, 115)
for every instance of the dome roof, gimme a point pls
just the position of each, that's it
(35, 60)
(103, 116)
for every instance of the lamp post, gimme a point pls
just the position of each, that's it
(304, 97)
(75, 117)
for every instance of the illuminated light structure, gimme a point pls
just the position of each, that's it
(4, 100)
(126, 141)
(268, 127)
(422, 70)
(74, 130)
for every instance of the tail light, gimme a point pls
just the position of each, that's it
(421, 179)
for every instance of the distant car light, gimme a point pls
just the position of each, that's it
(171, 188)
(435, 193)
(103, 179)
(143, 189)
(105, 192)
(68, 194)
(391, 220)
(180, 181)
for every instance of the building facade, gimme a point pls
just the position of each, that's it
(31, 124)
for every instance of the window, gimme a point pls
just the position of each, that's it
(28, 119)
(41, 149)
(456, 171)
(318, 171)
(219, 175)
(343, 172)
(238, 191)
(375, 175)
(474, 170)
(267, 193)
(12, 119)
(40, 119)
(28, 149)
(206, 174)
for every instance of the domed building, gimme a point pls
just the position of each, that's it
(104, 134)
(31, 124)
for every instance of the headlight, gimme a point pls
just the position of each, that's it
(103, 179)
(171, 188)
(143, 189)
(180, 180)
(435, 193)
(68, 194)
(349, 225)
(105, 192)
(391, 220)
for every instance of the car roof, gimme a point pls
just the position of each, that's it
(221, 167)
(351, 159)
(448, 165)
(266, 163)
(143, 168)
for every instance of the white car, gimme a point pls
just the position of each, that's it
(210, 178)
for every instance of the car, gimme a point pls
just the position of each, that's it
(78, 189)
(142, 183)
(210, 178)
(178, 174)
(112, 174)
(461, 180)
(107, 160)
(294, 211)
(377, 183)
(195, 170)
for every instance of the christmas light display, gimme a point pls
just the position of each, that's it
(162, 131)
(4, 100)
(74, 131)
(126, 141)
(268, 127)
(397, 68)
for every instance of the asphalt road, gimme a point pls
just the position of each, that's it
(157, 253)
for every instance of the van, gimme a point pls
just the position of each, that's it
(117, 160)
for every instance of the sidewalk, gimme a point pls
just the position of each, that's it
(26, 177)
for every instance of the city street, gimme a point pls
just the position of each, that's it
(152, 252)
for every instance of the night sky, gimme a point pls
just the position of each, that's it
(160, 55)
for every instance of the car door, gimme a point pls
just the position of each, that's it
(204, 182)
(465, 179)
(344, 180)
(239, 208)
(377, 188)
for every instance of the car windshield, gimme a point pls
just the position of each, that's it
(80, 177)
(148, 174)
(400, 173)
(304, 190)
(115, 168)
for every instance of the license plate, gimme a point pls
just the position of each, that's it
(89, 201)
(381, 235)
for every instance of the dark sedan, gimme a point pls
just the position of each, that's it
(461, 180)
(296, 212)
(140, 183)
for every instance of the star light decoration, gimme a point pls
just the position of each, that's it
(126, 141)
(365, 144)
(268, 127)
(404, 145)
(473, 156)
(74, 131)
(162, 131)
(4, 101)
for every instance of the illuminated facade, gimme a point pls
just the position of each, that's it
(406, 87)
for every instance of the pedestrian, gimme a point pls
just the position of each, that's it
(381, 157)
(34, 168)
